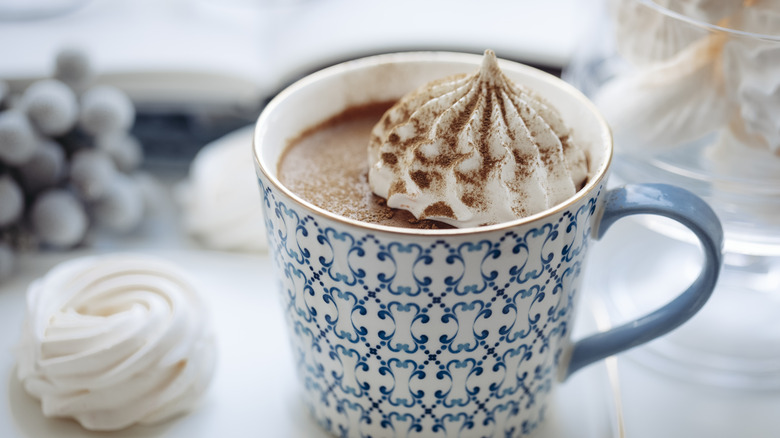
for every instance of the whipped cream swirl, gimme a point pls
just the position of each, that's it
(474, 150)
(115, 340)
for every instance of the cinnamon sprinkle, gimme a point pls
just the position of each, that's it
(438, 209)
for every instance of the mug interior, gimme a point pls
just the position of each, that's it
(322, 95)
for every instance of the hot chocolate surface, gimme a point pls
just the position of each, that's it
(326, 165)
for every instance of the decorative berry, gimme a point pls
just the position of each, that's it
(51, 106)
(105, 109)
(122, 207)
(73, 68)
(17, 139)
(66, 150)
(45, 169)
(11, 201)
(59, 219)
(123, 148)
(91, 172)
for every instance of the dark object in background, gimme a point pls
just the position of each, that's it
(172, 138)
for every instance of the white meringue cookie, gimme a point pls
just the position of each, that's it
(669, 103)
(685, 87)
(751, 70)
(472, 150)
(115, 340)
(756, 17)
(644, 35)
(221, 202)
(734, 160)
(706, 11)
(748, 182)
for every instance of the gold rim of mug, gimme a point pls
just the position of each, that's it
(592, 183)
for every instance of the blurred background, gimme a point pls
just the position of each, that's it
(141, 144)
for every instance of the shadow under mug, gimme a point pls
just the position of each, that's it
(465, 332)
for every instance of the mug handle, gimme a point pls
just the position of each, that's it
(689, 210)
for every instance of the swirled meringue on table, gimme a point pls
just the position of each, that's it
(473, 150)
(115, 340)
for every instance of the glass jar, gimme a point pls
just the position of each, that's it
(691, 90)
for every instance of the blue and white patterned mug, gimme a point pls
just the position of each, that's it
(443, 333)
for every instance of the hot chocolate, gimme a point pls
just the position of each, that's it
(327, 166)
(464, 150)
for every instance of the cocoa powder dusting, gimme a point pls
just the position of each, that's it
(488, 163)
(385, 121)
(547, 157)
(467, 178)
(486, 123)
(326, 165)
(420, 157)
(451, 134)
(472, 199)
(390, 158)
(519, 211)
(523, 164)
(486, 126)
(502, 107)
(398, 187)
(384, 212)
(438, 209)
(422, 179)
(566, 142)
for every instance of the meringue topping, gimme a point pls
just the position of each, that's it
(473, 150)
(115, 340)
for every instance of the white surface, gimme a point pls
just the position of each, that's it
(676, 387)
(254, 392)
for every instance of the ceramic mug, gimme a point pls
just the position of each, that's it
(464, 332)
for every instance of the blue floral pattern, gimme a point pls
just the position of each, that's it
(399, 336)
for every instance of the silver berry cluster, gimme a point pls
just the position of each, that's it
(67, 161)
